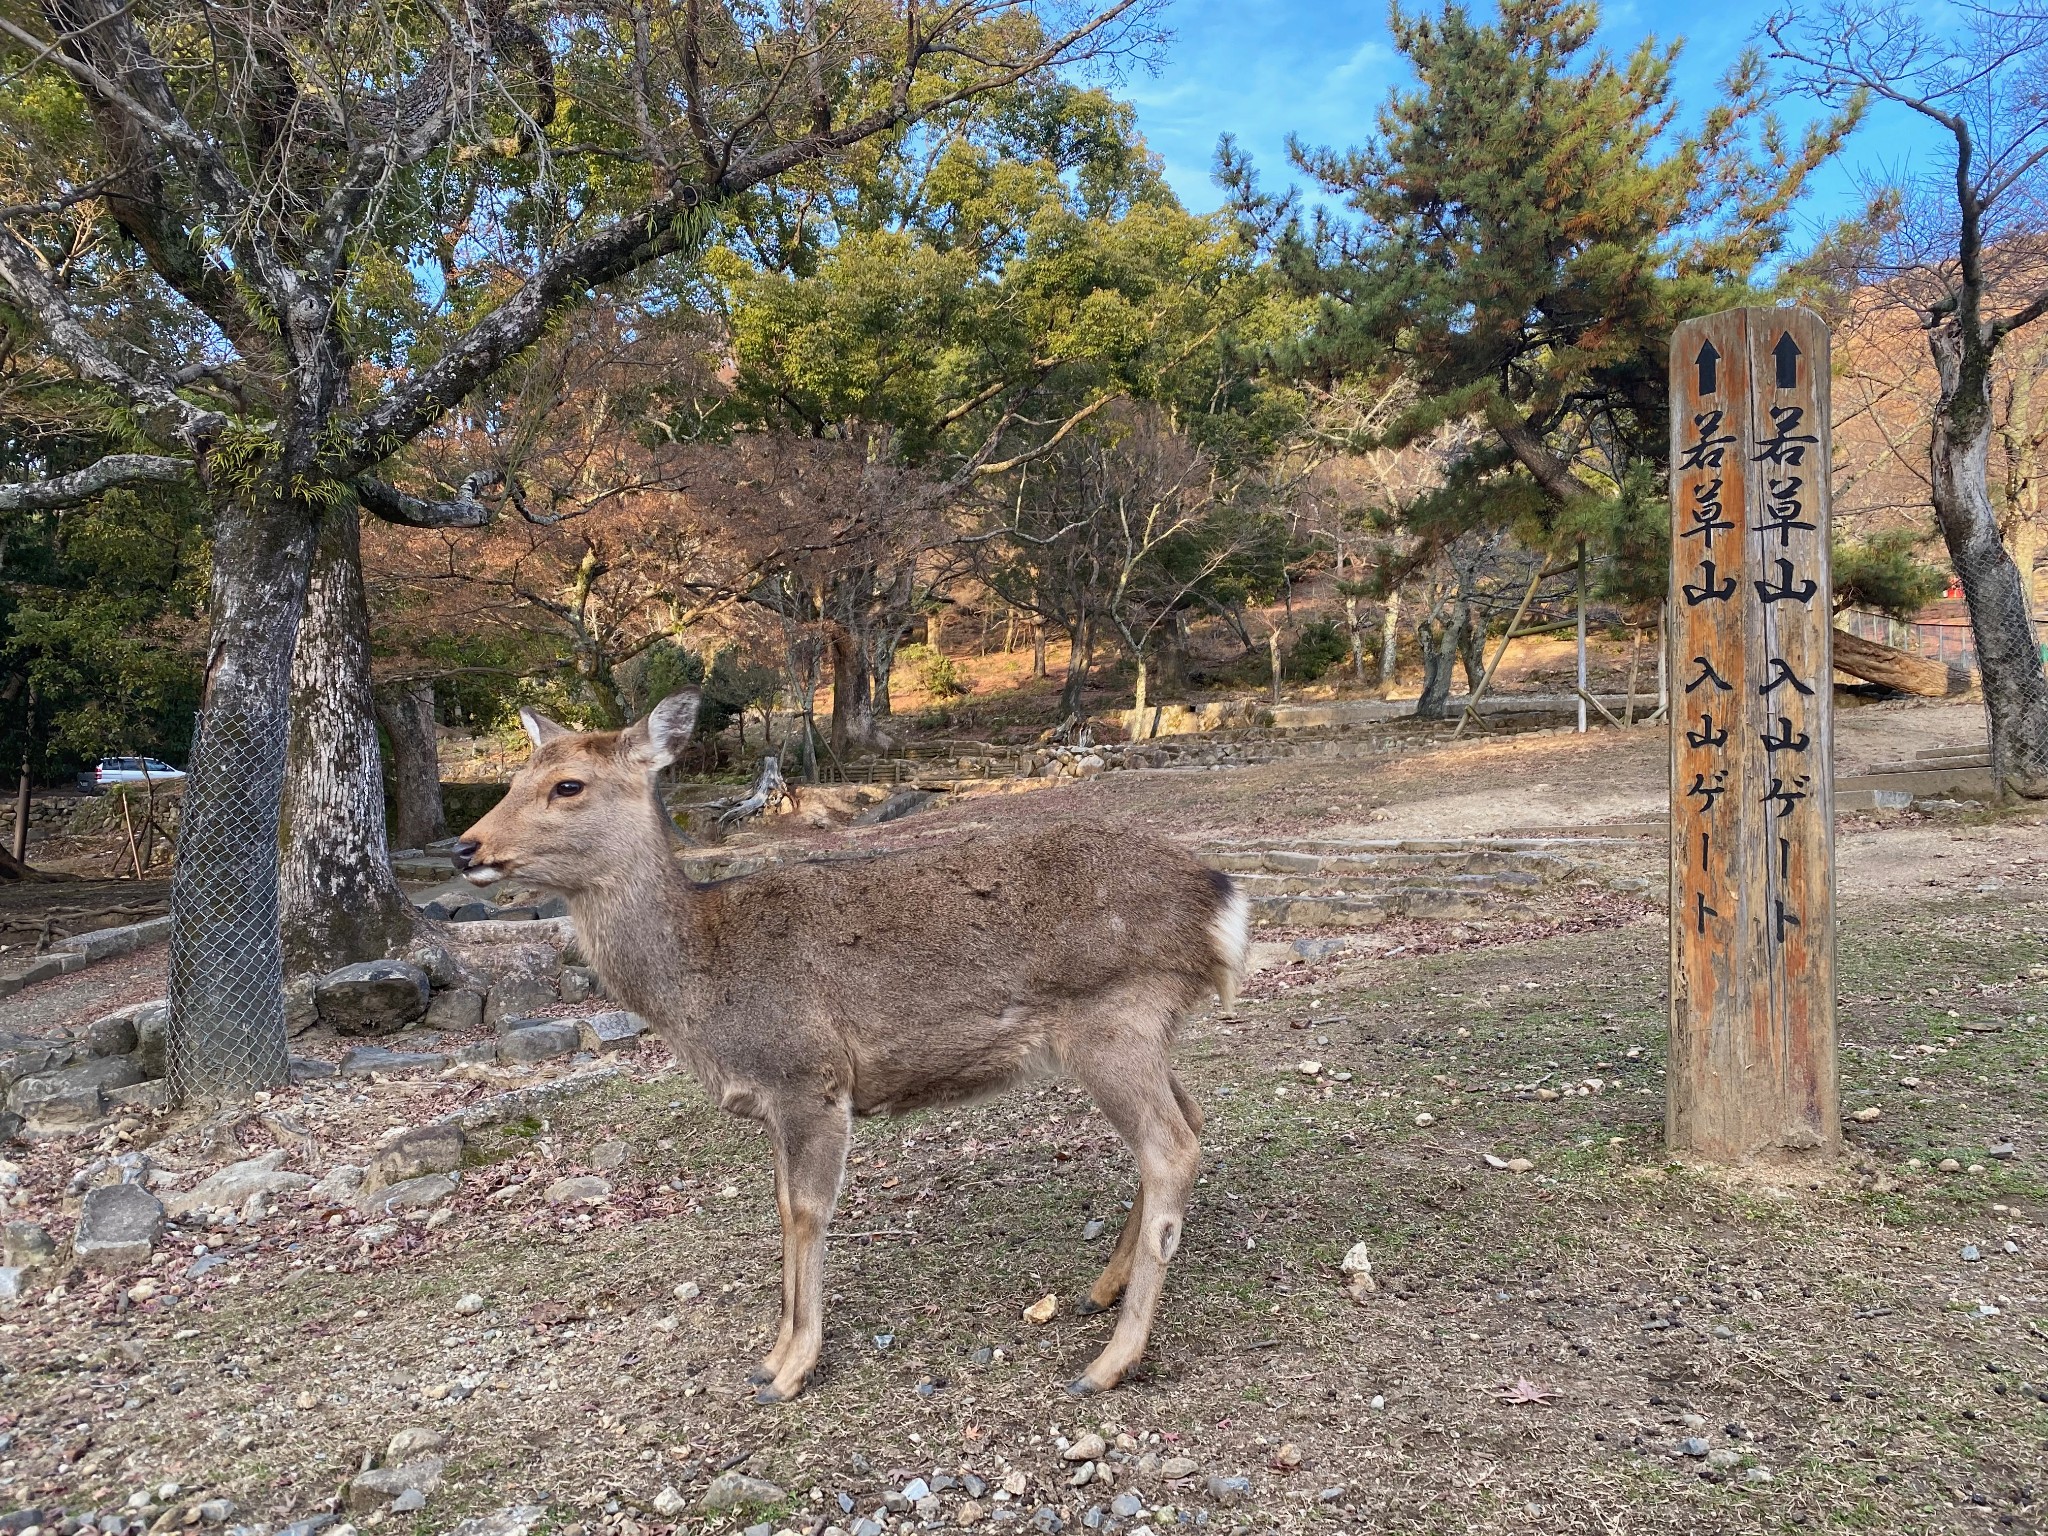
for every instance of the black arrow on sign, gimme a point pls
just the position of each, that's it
(1707, 358)
(1787, 354)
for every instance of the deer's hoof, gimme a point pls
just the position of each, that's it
(1081, 1386)
(768, 1397)
(760, 1375)
(1088, 1306)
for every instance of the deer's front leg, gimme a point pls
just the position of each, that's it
(811, 1142)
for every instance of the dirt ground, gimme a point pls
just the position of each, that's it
(1605, 1342)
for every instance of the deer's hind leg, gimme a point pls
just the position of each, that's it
(1136, 1090)
(811, 1142)
(1116, 1274)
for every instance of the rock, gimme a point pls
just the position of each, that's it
(117, 1226)
(1288, 1456)
(28, 1245)
(339, 1185)
(1425, 1119)
(457, 1010)
(10, 1126)
(454, 907)
(1757, 1475)
(579, 1189)
(1177, 1467)
(613, 1030)
(516, 1520)
(1970, 1254)
(1693, 1446)
(1358, 1264)
(1090, 1447)
(1867, 1114)
(371, 997)
(373, 1490)
(425, 1149)
(538, 1040)
(554, 906)
(734, 1490)
(232, 1185)
(1042, 1310)
(578, 984)
(1722, 1457)
(1520, 1165)
(1126, 1506)
(146, 1097)
(1948, 1165)
(215, 1511)
(113, 1035)
(611, 1156)
(2002, 1150)
(13, 1282)
(516, 997)
(668, 1503)
(152, 1037)
(413, 1441)
(468, 1304)
(72, 1097)
(410, 1195)
(366, 1059)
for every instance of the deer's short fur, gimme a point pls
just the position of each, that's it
(807, 994)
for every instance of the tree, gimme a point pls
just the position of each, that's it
(355, 217)
(1532, 223)
(1963, 258)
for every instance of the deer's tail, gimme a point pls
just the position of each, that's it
(1229, 936)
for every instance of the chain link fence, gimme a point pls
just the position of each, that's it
(227, 1029)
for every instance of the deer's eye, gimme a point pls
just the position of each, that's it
(565, 789)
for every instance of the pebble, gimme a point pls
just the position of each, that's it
(1178, 1467)
(1970, 1253)
(1042, 1310)
(1948, 1165)
(414, 1440)
(917, 1488)
(1090, 1447)
(1309, 1068)
(468, 1304)
(1757, 1475)
(1125, 1505)
(1093, 1229)
(730, 1490)
(610, 1156)
(1082, 1475)
(579, 1189)
(1867, 1114)
(1289, 1455)
(1378, 1404)
(2002, 1150)
(1520, 1165)
(1721, 1456)
(1693, 1446)
(689, 1290)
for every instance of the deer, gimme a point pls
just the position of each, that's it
(811, 993)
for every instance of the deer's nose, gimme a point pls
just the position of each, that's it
(463, 852)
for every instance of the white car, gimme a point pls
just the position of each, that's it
(131, 770)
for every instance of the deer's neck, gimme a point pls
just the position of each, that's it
(635, 928)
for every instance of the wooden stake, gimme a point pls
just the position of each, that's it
(128, 823)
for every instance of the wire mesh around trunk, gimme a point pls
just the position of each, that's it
(227, 1029)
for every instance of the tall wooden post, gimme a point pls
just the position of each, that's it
(1752, 1073)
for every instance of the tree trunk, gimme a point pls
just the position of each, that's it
(1273, 659)
(1357, 640)
(21, 814)
(406, 711)
(2008, 656)
(1082, 644)
(1471, 647)
(1139, 730)
(227, 1035)
(1898, 669)
(341, 903)
(1439, 661)
(1038, 648)
(1390, 633)
(853, 699)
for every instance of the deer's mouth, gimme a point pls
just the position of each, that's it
(484, 874)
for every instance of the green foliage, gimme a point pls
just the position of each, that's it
(1885, 573)
(1319, 647)
(728, 687)
(98, 618)
(934, 671)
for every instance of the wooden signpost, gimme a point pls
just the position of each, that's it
(1752, 1071)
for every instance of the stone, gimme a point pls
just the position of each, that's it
(456, 1010)
(1971, 1255)
(1229, 1490)
(579, 1189)
(339, 1185)
(1520, 1165)
(413, 1441)
(468, 1304)
(668, 1503)
(230, 1186)
(1176, 1467)
(366, 1059)
(612, 1030)
(516, 1520)
(1425, 1119)
(306, 1069)
(1042, 1310)
(372, 997)
(113, 1035)
(538, 1040)
(1126, 1505)
(424, 1149)
(152, 1036)
(516, 996)
(410, 1195)
(72, 1097)
(215, 1511)
(27, 1055)
(1723, 1458)
(117, 1226)
(1948, 1165)
(13, 1282)
(10, 1126)
(1693, 1446)
(28, 1245)
(375, 1489)
(149, 1098)
(553, 906)
(578, 984)
(1867, 1114)
(1092, 1229)
(454, 907)
(903, 803)
(1090, 1447)
(2001, 1150)
(735, 1490)
(611, 1156)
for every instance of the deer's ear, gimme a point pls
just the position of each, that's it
(659, 739)
(539, 728)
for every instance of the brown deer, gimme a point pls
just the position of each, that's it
(809, 993)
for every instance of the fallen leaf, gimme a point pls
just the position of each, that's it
(1525, 1391)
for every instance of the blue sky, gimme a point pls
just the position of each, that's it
(1262, 68)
